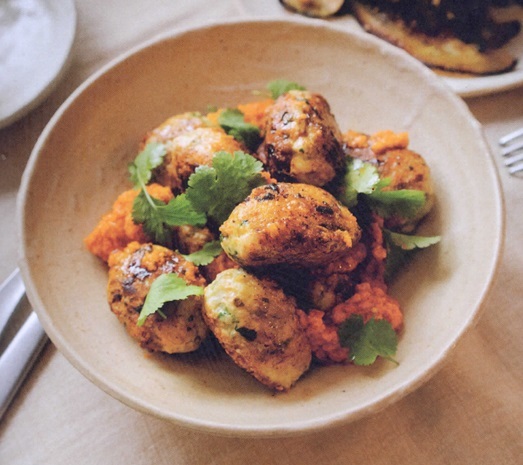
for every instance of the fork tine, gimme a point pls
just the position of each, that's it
(510, 149)
(516, 168)
(511, 136)
(511, 161)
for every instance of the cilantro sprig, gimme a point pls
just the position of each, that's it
(363, 178)
(166, 288)
(405, 203)
(411, 242)
(215, 190)
(206, 254)
(368, 341)
(158, 217)
(212, 193)
(147, 160)
(281, 86)
(401, 248)
(233, 123)
(360, 178)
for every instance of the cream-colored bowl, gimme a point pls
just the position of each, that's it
(79, 166)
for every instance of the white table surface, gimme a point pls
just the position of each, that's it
(470, 412)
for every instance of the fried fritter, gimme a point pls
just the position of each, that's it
(404, 168)
(189, 150)
(302, 139)
(257, 325)
(173, 127)
(131, 273)
(289, 223)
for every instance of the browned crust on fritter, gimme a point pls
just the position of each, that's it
(131, 273)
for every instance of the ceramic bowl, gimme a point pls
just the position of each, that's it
(79, 166)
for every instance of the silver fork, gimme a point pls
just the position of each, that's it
(22, 350)
(512, 151)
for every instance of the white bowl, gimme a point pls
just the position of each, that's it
(79, 166)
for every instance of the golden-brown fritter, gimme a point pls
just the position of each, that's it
(289, 223)
(131, 273)
(220, 263)
(302, 139)
(334, 283)
(404, 168)
(257, 325)
(407, 170)
(189, 150)
(173, 127)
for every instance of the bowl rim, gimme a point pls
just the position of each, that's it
(304, 427)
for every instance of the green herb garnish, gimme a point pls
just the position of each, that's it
(166, 288)
(404, 203)
(367, 341)
(233, 123)
(401, 248)
(147, 160)
(362, 178)
(215, 190)
(206, 254)
(408, 242)
(158, 218)
(281, 86)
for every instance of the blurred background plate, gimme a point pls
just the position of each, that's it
(36, 37)
(465, 86)
(482, 85)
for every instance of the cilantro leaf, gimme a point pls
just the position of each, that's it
(401, 248)
(146, 211)
(147, 160)
(367, 341)
(179, 211)
(206, 254)
(215, 190)
(281, 86)
(408, 242)
(350, 331)
(363, 178)
(360, 178)
(234, 124)
(405, 203)
(166, 288)
(157, 217)
(154, 215)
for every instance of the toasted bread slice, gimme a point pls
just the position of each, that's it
(443, 52)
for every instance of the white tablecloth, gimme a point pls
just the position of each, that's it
(470, 412)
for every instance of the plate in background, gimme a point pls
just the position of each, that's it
(36, 37)
(464, 86)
